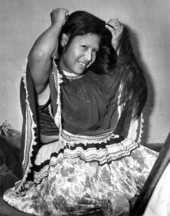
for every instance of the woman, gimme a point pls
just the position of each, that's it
(82, 98)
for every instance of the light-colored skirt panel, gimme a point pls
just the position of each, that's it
(81, 179)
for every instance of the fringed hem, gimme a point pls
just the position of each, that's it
(58, 80)
(29, 139)
(136, 129)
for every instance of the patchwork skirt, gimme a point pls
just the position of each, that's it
(84, 178)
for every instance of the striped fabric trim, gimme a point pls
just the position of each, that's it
(102, 153)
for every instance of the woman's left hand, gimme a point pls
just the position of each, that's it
(116, 29)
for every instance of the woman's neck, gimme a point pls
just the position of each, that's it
(69, 75)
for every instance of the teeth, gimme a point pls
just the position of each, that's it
(82, 63)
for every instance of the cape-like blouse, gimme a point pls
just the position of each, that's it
(89, 106)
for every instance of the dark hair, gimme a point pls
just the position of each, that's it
(129, 73)
(124, 68)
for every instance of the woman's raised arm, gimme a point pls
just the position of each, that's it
(39, 58)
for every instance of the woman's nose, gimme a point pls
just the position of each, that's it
(88, 55)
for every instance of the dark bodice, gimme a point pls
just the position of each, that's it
(89, 104)
(46, 122)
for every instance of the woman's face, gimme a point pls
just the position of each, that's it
(80, 54)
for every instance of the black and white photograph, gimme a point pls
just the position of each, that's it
(84, 108)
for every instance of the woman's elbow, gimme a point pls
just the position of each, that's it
(36, 56)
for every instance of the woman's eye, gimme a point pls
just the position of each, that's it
(84, 47)
(95, 51)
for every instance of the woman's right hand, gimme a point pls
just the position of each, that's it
(59, 15)
(116, 29)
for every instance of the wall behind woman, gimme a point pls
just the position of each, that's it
(22, 21)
